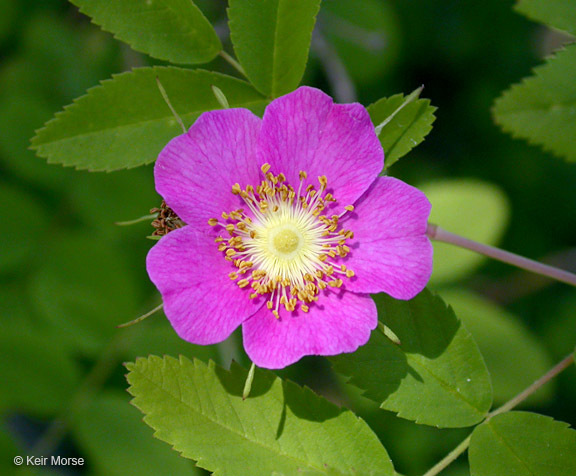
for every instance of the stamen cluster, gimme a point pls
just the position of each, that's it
(283, 245)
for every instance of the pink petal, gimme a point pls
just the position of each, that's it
(202, 303)
(195, 171)
(305, 130)
(336, 323)
(390, 251)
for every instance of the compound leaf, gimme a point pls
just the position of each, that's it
(125, 122)
(279, 429)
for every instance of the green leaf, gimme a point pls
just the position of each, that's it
(476, 210)
(556, 13)
(279, 429)
(506, 345)
(37, 376)
(271, 39)
(132, 450)
(436, 376)
(124, 122)
(406, 130)
(170, 30)
(542, 108)
(522, 444)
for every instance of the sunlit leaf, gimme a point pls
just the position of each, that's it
(542, 108)
(171, 30)
(279, 429)
(470, 208)
(125, 122)
(556, 13)
(436, 376)
(523, 444)
(406, 130)
(271, 39)
(513, 355)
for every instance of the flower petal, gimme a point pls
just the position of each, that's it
(195, 171)
(305, 130)
(336, 323)
(390, 251)
(203, 305)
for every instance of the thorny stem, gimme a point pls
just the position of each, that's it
(463, 446)
(434, 232)
(237, 66)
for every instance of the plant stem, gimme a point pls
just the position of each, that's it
(436, 233)
(463, 446)
(449, 458)
(142, 317)
(237, 66)
(562, 365)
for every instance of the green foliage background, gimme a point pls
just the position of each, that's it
(69, 275)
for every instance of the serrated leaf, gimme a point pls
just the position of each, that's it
(542, 108)
(471, 208)
(556, 13)
(522, 444)
(279, 429)
(124, 122)
(170, 30)
(513, 355)
(271, 39)
(132, 450)
(406, 130)
(436, 376)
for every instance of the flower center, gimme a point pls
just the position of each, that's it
(285, 241)
(282, 246)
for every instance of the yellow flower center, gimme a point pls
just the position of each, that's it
(283, 246)
(285, 241)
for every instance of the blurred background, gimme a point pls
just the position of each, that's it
(69, 275)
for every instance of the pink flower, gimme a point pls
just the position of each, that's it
(288, 229)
